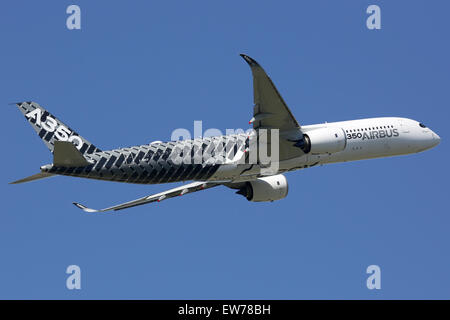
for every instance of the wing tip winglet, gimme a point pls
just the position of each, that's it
(251, 62)
(84, 208)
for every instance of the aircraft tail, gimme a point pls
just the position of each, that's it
(50, 129)
(65, 154)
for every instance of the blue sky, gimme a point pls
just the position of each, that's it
(136, 71)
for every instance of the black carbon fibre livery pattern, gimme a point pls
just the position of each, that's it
(154, 163)
(161, 162)
(50, 136)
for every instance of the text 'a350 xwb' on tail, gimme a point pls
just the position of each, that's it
(227, 159)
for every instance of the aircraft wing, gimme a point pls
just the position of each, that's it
(179, 191)
(270, 110)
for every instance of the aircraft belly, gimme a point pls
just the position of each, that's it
(294, 163)
(228, 172)
(158, 172)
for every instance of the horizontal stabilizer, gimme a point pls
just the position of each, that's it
(36, 176)
(66, 154)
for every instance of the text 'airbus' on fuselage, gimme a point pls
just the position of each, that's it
(236, 160)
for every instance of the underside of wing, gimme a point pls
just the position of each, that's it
(178, 191)
(270, 109)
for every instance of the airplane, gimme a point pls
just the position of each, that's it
(299, 147)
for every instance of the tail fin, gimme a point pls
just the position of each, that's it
(50, 129)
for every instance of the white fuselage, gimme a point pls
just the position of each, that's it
(364, 139)
(373, 138)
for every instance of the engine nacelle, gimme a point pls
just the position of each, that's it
(265, 189)
(324, 140)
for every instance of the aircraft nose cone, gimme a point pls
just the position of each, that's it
(436, 139)
(428, 139)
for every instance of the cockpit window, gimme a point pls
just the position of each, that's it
(422, 125)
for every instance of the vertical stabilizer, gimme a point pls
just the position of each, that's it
(50, 129)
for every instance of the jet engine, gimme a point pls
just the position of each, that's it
(265, 189)
(324, 140)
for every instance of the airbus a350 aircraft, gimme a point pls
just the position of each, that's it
(299, 147)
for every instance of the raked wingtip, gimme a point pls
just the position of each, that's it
(84, 208)
(251, 62)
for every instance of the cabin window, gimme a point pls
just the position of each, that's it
(422, 125)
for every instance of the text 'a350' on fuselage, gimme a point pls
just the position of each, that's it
(251, 162)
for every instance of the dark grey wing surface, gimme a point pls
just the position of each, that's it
(270, 109)
(178, 191)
